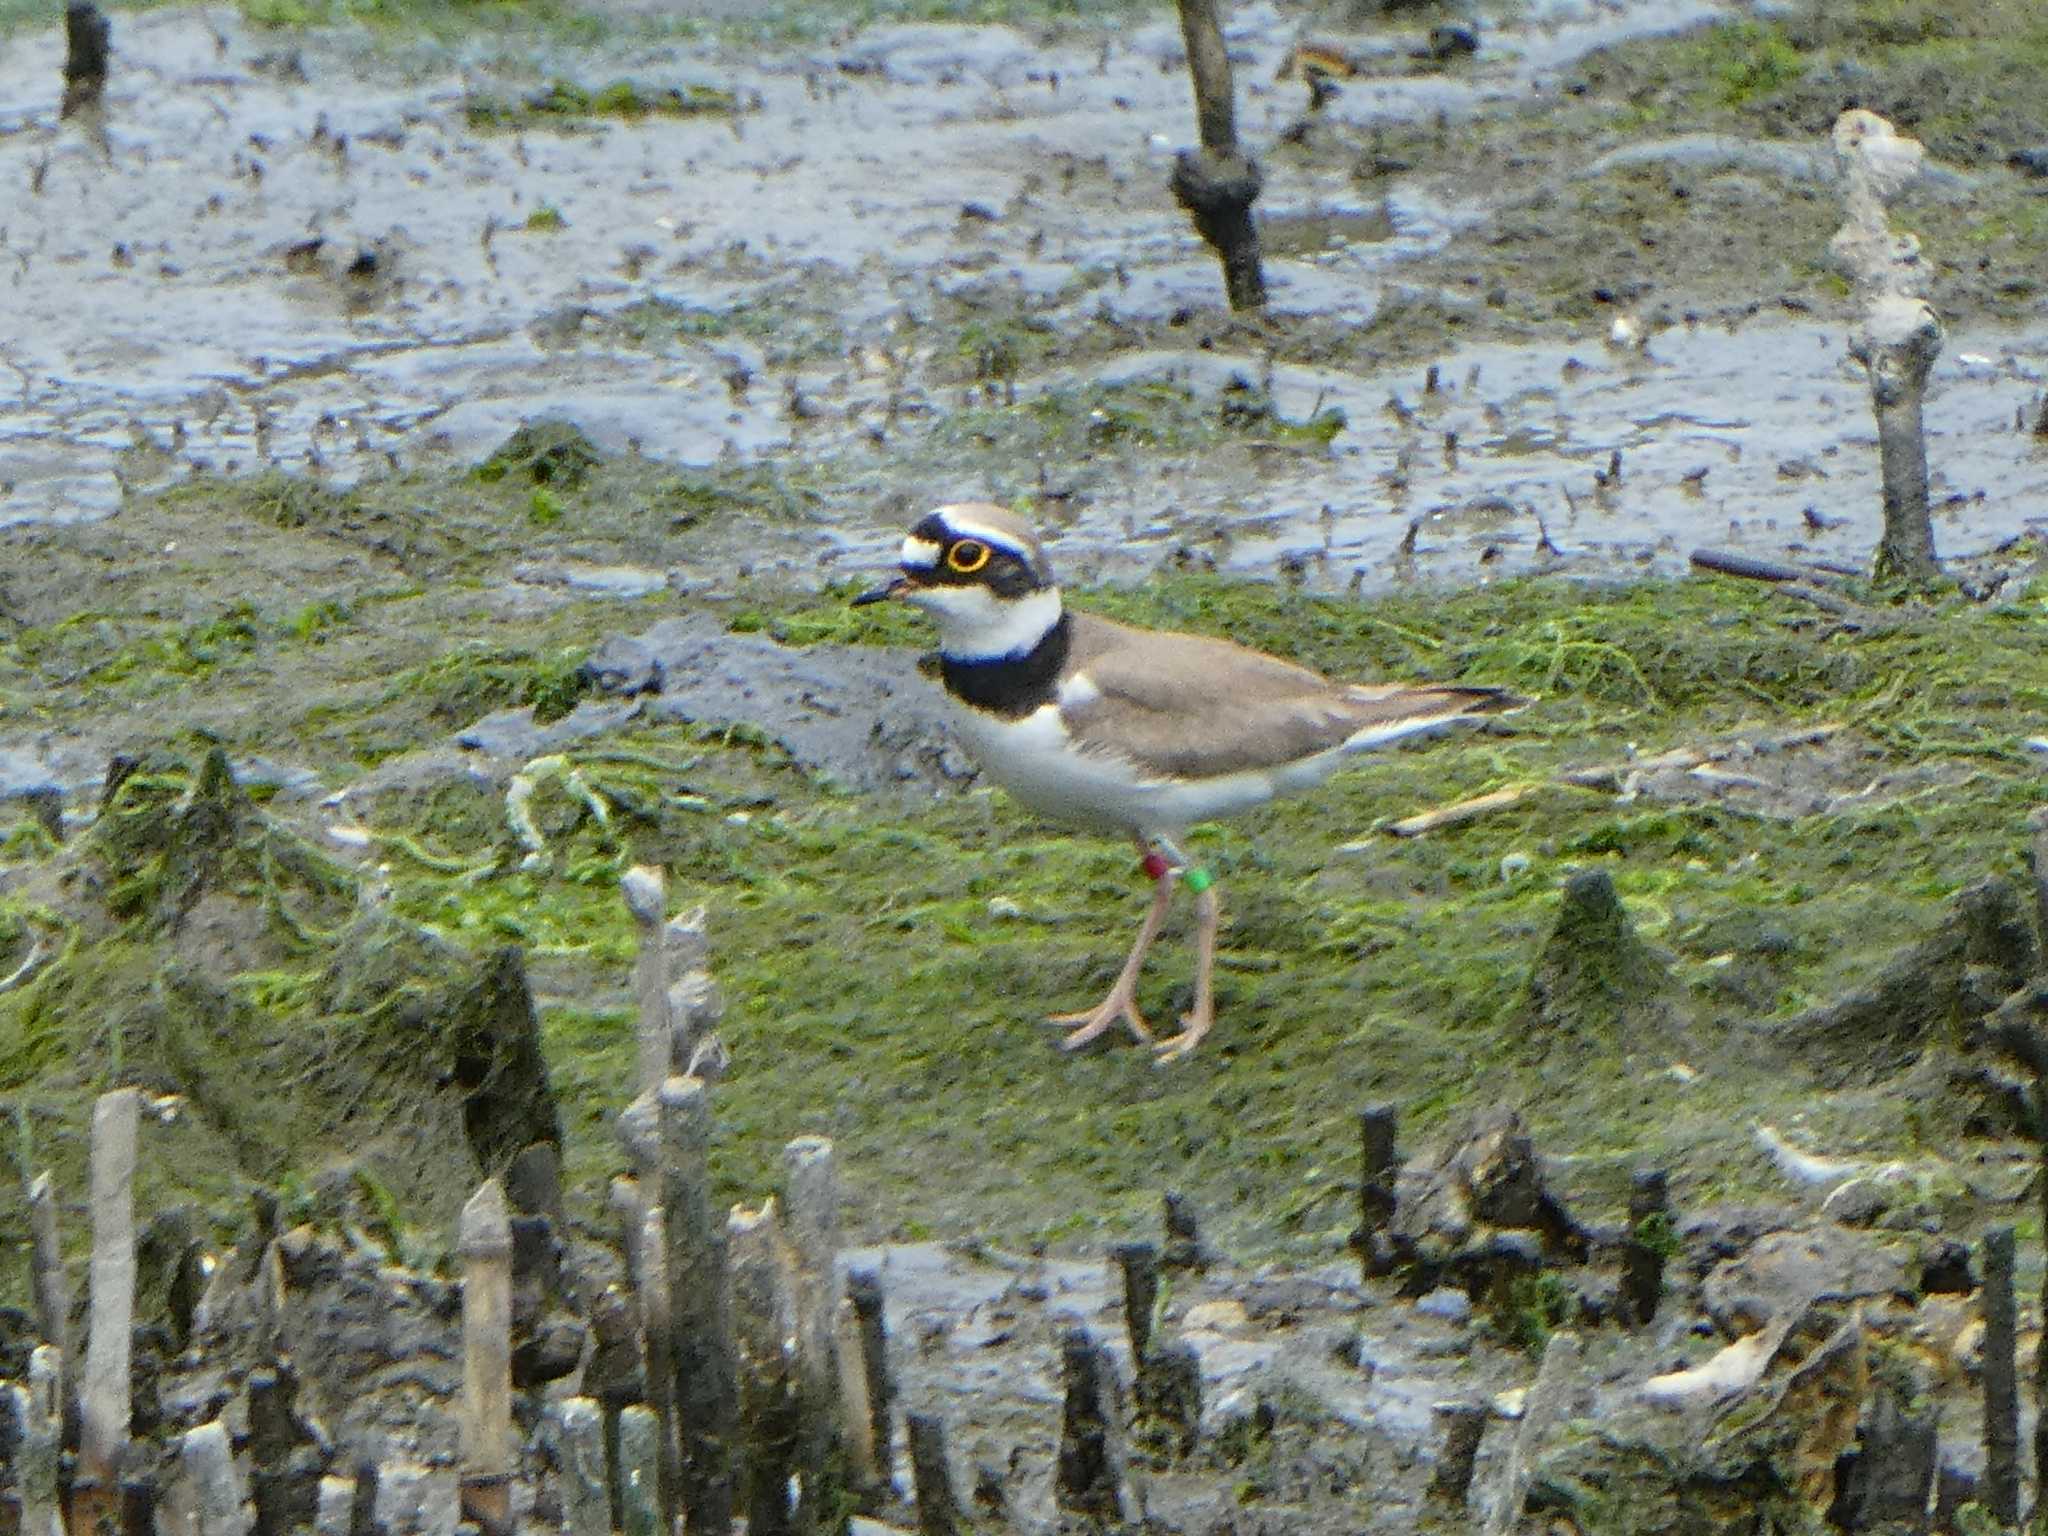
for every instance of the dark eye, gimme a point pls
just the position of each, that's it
(967, 556)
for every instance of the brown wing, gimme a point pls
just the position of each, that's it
(1197, 707)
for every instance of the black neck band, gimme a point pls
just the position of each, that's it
(1011, 686)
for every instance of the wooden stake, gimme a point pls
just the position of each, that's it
(579, 1441)
(645, 889)
(765, 1323)
(485, 1244)
(2001, 1383)
(1642, 1260)
(811, 1196)
(1139, 1264)
(1463, 1426)
(700, 1301)
(40, 1412)
(938, 1507)
(1540, 1410)
(105, 1409)
(52, 1287)
(209, 1463)
(640, 1472)
(864, 1294)
(1091, 1479)
(1379, 1167)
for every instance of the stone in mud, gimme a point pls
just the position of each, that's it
(515, 735)
(1943, 987)
(859, 715)
(1763, 1456)
(1596, 978)
(25, 781)
(1785, 1271)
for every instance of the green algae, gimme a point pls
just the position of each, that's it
(887, 961)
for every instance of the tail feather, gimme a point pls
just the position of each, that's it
(1423, 711)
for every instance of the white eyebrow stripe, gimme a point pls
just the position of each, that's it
(965, 525)
(920, 552)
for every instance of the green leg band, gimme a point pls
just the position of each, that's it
(1197, 880)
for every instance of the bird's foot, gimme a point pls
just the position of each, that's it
(1103, 1017)
(1193, 1027)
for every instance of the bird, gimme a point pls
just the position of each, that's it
(1112, 728)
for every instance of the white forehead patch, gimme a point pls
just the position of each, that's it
(920, 554)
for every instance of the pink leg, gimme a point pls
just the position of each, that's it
(1122, 1002)
(1196, 1021)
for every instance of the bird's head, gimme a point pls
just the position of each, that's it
(980, 572)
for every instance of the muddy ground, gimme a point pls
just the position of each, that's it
(279, 327)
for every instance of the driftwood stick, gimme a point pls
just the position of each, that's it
(864, 1295)
(938, 1507)
(208, 1462)
(105, 1409)
(765, 1323)
(811, 1197)
(1540, 1410)
(40, 1412)
(1463, 1425)
(579, 1452)
(1649, 1231)
(640, 1472)
(484, 1241)
(2001, 1384)
(1461, 811)
(700, 1303)
(1897, 336)
(645, 890)
(1218, 183)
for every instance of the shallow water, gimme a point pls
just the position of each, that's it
(169, 314)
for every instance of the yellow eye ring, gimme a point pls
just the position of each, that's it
(967, 556)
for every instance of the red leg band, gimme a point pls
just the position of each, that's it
(1155, 865)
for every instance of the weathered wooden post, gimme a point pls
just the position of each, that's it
(1092, 1478)
(1183, 1247)
(1139, 1265)
(640, 1472)
(2001, 1383)
(1649, 1240)
(1218, 183)
(700, 1300)
(334, 1506)
(208, 1462)
(485, 1244)
(40, 1412)
(1541, 1409)
(864, 1295)
(579, 1442)
(1379, 1165)
(645, 889)
(938, 1507)
(88, 44)
(47, 1277)
(647, 1250)
(1464, 1424)
(811, 1196)
(1897, 336)
(765, 1324)
(104, 1406)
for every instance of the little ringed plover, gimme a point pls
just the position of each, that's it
(1141, 731)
